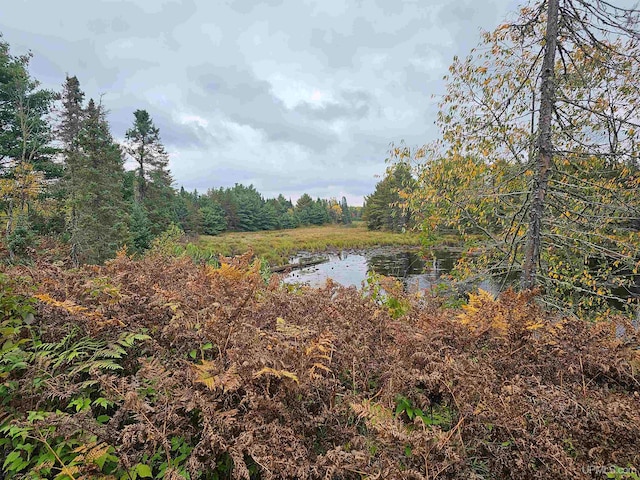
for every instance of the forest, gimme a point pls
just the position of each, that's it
(63, 176)
(144, 335)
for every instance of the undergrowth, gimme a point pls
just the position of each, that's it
(166, 368)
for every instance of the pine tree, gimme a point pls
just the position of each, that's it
(384, 209)
(250, 204)
(304, 207)
(187, 209)
(213, 221)
(160, 200)
(229, 203)
(319, 212)
(288, 219)
(153, 179)
(144, 146)
(269, 217)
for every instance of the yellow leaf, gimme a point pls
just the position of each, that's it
(277, 373)
(535, 326)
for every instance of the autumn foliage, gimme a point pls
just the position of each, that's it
(187, 371)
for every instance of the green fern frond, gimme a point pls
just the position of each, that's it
(104, 365)
(128, 339)
(81, 355)
(112, 351)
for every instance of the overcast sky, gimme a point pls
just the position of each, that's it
(292, 96)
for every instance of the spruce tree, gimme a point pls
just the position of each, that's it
(139, 231)
(71, 123)
(346, 214)
(101, 219)
(160, 198)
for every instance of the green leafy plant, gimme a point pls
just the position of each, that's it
(83, 354)
(157, 465)
(17, 313)
(45, 453)
(203, 348)
(21, 238)
(620, 473)
(387, 292)
(437, 415)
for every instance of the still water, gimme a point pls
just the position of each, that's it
(350, 268)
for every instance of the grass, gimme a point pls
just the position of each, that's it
(277, 246)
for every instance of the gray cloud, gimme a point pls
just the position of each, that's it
(250, 101)
(291, 95)
(352, 104)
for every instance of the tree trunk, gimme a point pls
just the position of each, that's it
(9, 227)
(74, 234)
(544, 155)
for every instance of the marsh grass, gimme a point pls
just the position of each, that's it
(277, 246)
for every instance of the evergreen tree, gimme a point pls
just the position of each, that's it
(304, 207)
(319, 213)
(71, 123)
(213, 221)
(269, 217)
(284, 212)
(159, 201)
(183, 205)
(283, 204)
(250, 207)
(145, 147)
(229, 203)
(288, 219)
(346, 213)
(187, 206)
(384, 209)
(153, 178)
(139, 230)
(98, 175)
(279, 206)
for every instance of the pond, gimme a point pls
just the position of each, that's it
(350, 268)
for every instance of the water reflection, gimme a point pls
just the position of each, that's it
(397, 264)
(351, 268)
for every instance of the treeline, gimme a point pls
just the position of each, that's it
(63, 174)
(244, 209)
(387, 207)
